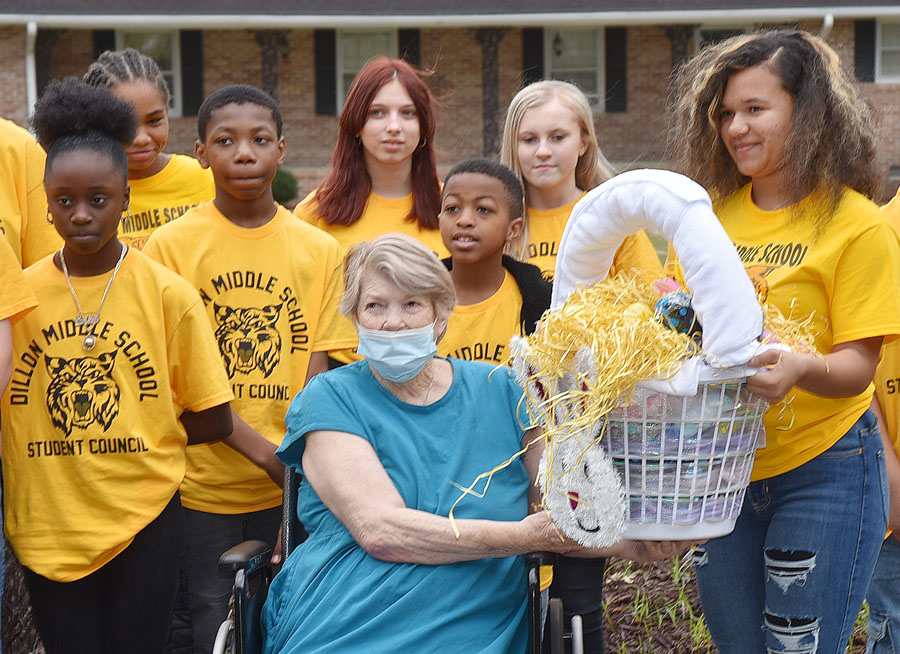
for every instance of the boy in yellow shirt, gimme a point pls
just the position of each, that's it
(482, 208)
(271, 285)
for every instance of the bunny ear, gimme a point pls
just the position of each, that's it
(518, 353)
(585, 367)
(526, 375)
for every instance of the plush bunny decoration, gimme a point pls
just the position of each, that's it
(581, 489)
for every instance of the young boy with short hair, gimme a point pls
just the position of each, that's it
(482, 208)
(271, 285)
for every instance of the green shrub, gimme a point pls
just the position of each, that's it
(284, 187)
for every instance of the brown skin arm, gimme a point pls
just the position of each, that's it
(221, 423)
(209, 425)
(318, 362)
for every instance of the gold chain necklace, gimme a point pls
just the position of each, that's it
(90, 319)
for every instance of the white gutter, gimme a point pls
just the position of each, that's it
(827, 26)
(30, 65)
(273, 21)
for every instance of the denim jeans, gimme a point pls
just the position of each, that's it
(207, 536)
(792, 575)
(884, 601)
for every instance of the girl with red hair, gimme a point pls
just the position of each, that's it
(382, 176)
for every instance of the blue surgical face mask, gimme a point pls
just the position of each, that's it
(398, 356)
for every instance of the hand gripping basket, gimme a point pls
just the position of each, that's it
(684, 446)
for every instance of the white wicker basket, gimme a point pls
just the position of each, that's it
(685, 462)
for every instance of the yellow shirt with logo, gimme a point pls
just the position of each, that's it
(481, 331)
(15, 293)
(23, 203)
(887, 376)
(381, 216)
(165, 196)
(848, 280)
(271, 294)
(92, 446)
(545, 230)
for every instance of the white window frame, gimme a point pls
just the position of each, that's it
(176, 109)
(698, 41)
(343, 34)
(599, 57)
(880, 77)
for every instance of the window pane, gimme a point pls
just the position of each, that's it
(359, 47)
(153, 44)
(890, 63)
(890, 34)
(586, 81)
(573, 49)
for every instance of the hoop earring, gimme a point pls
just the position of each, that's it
(358, 141)
(49, 218)
(423, 143)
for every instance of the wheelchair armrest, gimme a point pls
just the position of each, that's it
(245, 556)
(535, 559)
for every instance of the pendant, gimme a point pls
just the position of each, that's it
(89, 319)
(88, 342)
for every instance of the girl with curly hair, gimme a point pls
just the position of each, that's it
(771, 126)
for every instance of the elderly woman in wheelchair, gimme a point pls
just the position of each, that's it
(384, 446)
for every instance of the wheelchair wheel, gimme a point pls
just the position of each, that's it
(577, 635)
(556, 627)
(224, 637)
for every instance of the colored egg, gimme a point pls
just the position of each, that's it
(676, 312)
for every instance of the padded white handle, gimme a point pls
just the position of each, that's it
(680, 209)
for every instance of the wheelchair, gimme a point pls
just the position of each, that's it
(249, 563)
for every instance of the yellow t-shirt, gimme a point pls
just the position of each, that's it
(92, 446)
(163, 197)
(887, 376)
(481, 331)
(23, 203)
(381, 216)
(271, 294)
(545, 230)
(15, 293)
(848, 279)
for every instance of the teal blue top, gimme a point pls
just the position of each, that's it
(332, 596)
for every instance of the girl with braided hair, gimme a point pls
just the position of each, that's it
(163, 185)
(114, 374)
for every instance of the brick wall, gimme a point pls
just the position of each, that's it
(636, 137)
(13, 99)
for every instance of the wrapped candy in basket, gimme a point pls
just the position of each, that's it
(649, 430)
(684, 462)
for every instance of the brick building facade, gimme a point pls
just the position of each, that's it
(637, 61)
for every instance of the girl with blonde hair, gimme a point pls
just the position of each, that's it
(550, 143)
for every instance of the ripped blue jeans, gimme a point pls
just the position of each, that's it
(884, 601)
(791, 577)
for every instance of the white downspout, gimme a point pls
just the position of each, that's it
(827, 25)
(30, 66)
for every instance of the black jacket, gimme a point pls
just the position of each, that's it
(536, 291)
